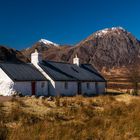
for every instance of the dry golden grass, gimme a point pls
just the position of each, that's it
(71, 118)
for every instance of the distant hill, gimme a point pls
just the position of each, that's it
(11, 55)
(50, 50)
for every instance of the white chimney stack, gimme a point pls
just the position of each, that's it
(36, 57)
(76, 60)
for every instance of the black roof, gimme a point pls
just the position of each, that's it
(90, 68)
(22, 72)
(60, 71)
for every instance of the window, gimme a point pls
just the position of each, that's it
(42, 85)
(66, 85)
(88, 85)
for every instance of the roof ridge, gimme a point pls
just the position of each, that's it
(58, 62)
(61, 71)
(65, 62)
(13, 63)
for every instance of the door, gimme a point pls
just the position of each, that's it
(79, 88)
(96, 88)
(33, 88)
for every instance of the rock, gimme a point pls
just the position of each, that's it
(33, 96)
(27, 96)
(17, 94)
(50, 98)
(42, 97)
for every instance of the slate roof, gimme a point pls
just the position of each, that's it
(22, 72)
(60, 71)
(90, 68)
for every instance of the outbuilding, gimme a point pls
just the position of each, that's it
(22, 78)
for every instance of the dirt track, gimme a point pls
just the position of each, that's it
(5, 98)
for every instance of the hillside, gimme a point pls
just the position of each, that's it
(50, 50)
(112, 47)
(11, 55)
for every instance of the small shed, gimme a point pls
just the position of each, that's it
(22, 78)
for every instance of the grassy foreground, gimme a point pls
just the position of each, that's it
(71, 118)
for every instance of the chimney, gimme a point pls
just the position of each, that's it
(76, 60)
(36, 57)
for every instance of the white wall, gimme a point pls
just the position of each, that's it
(8, 87)
(26, 89)
(23, 87)
(61, 90)
(6, 84)
(42, 90)
(56, 87)
(102, 86)
(51, 83)
(90, 90)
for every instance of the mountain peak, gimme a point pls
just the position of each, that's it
(47, 42)
(105, 31)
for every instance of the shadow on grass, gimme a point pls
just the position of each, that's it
(114, 93)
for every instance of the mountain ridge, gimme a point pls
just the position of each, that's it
(110, 47)
(11, 55)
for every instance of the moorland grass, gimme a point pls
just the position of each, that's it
(70, 118)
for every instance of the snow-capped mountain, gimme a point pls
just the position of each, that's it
(47, 42)
(103, 32)
(110, 47)
(42, 45)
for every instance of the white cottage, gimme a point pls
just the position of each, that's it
(69, 79)
(22, 78)
(50, 78)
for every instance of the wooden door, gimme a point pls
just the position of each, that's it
(79, 88)
(33, 88)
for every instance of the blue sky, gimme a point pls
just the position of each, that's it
(23, 22)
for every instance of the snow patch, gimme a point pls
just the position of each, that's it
(108, 30)
(27, 48)
(47, 42)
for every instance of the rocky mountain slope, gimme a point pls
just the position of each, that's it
(108, 48)
(112, 47)
(50, 50)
